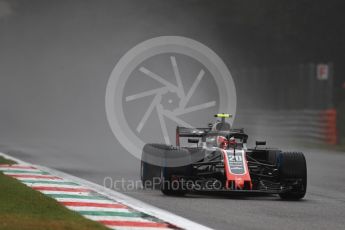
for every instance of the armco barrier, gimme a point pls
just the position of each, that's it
(329, 117)
(294, 125)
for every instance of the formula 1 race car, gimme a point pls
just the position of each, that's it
(220, 161)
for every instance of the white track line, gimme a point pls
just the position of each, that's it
(121, 218)
(136, 228)
(16, 169)
(53, 185)
(37, 173)
(64, 192)
(82, 208)
(45, 179)
(121, 198)
(84, 200)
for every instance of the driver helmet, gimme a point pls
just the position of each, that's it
(232, 141)
(222, 142)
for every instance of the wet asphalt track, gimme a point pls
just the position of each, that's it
(322, 208)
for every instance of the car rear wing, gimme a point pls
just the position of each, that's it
(201, 132)
(241, 130)
(190, 132)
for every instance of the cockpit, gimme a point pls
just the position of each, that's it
(225, 140)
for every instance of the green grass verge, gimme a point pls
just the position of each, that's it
(6, 161)
(23, 208)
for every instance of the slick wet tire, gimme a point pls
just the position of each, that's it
(150, 173)
(171, 176)
(292, 167)
(273, 156)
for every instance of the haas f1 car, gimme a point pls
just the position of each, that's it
(216, 159)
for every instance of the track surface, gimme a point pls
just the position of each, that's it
(323, 207)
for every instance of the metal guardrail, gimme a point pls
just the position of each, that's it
(316, 126)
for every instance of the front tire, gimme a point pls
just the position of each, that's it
(293, 168)
(150, 173)
(170, 183)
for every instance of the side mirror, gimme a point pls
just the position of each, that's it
(192, 140)
(257, 143)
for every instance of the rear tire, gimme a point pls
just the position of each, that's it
(292, 167)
